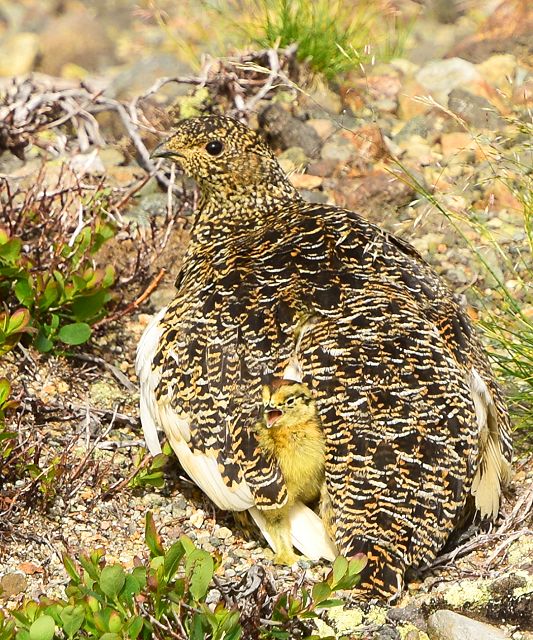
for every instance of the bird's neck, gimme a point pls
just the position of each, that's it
(238, 212)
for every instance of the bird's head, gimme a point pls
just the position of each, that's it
(287, 403)
(225, 157)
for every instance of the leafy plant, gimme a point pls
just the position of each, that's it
(150, 473)
(163, 597)
(61, 300)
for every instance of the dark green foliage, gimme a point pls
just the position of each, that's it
(162, 597)
(62, 294)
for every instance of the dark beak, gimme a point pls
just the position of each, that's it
(161, 151)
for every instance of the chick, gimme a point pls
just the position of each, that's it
(291, 432)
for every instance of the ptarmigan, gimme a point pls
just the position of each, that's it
(415, 426)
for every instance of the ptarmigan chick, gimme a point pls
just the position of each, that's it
(290, 434)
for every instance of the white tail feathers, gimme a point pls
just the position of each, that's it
(493, 470)
(307, 532)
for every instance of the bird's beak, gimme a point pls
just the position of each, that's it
(162, 151)
(272, 415)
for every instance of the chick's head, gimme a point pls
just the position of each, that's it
(287, 404)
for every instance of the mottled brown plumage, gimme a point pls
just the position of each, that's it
(414, 423)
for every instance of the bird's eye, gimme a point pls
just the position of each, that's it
(290, 401)
(214, 148)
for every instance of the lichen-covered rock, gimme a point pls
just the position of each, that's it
(448, 625)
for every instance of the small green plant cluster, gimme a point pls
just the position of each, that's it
(165, 597)
(149, 472)
(332, 37)
(61, 300)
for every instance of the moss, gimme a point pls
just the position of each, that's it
(520, 551)
(467, 592)
(408, 631)
(105, 394)
(191, 106)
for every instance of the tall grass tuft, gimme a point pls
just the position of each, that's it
(506, 317)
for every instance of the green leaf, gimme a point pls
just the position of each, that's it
(42, 343)
(332, 602)
(43, 628)
(72, 618)
(112, 580)
(70, 568)
(199, 567)
(321, 591)
(172, 559)
(153, 539)
(75, 333)
(49, 296)
(357, 563)
(134, 627)
(5, 390)
(18, 321)
(86, 307)
(24, 292)
(340, 567)
(10, 250)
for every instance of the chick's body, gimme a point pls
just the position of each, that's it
(291, 435)
(415, 426)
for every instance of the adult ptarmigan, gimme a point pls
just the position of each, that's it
(415, 426)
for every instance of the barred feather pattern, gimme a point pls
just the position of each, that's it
(387, 350)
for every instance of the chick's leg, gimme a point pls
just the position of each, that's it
(279, 529)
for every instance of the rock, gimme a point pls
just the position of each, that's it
(134, 80)
(368, 142)
(458, 145)
(323, 168)
(284, 131)
(448, 625)
(320, 99)
(338, 148)
(499, 70)
(373, 194)
(440, 77)
(18, 54)
(305, 181)
(408, 105)
(420, 125)
(523, 93)
(323, 126)
(12, 584)
(293, 158)
(475, 110)
(76, 37)
(507, 30)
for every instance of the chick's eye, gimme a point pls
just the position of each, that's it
(214, 148)
(290, 401)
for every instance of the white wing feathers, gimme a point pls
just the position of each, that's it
(493, 470)
(307, 532)
(148, 380)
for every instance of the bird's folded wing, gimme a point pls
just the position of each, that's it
(202, 468)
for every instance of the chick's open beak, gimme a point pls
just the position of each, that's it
(272, 415)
